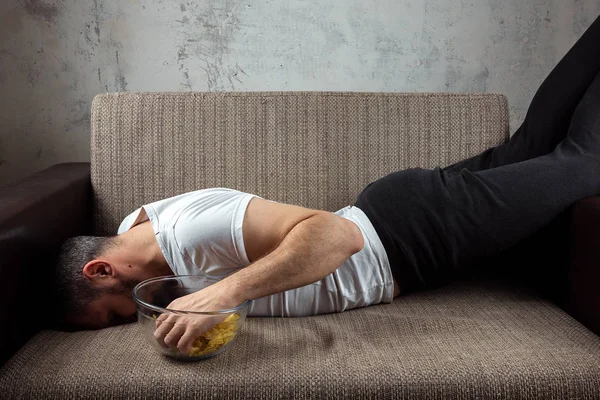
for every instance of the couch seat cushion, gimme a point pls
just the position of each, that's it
(467, 340)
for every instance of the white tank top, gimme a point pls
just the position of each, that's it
(200, 233)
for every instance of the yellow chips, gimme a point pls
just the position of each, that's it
(215, 338)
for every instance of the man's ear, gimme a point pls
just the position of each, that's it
(98, 269)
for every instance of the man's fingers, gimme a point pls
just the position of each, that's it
(195, 328)
(172, 338)
(161, 318)
(176, 331)
(161, 331)
(186, 341)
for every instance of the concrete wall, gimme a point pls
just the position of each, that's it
(55, 55)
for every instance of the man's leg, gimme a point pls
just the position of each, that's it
(434, 223)
(542, 259)
(551, 109)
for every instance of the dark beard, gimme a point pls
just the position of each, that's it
(124, 287)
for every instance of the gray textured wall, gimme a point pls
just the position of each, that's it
(55, 55)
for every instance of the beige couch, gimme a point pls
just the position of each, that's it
(472, 339)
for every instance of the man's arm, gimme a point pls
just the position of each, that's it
(291, 247)
(312, 249)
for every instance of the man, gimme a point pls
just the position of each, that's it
(407, 231)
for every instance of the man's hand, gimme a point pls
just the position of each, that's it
(178, 331)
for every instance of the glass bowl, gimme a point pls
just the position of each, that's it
(152, 296)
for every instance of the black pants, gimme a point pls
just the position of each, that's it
(435, 223)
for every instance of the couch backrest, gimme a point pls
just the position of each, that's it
(315, 149)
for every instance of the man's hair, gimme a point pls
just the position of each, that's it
(74, 291)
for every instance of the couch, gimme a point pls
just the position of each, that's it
(482, 336)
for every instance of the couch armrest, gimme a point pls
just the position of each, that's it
(36, 215)
(584, 275)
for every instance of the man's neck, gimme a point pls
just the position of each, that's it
(139, 249)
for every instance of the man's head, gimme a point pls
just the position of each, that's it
(93, 286)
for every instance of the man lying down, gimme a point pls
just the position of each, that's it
(408, 231)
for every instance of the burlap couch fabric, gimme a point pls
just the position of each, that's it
(313, 149)
(468, 340)
(464, 341)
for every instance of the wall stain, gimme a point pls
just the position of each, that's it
(208, 40)
(40, 9)
(84, 120)
(38, 154)
(480, 80)
(64, 67)
(30, 69)
(33, 78)
(188, 82)
(98, 10)
(87, 35)
(241, 70)
(120, 82)
(181, 54)
(238, 69)
(85, 54)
